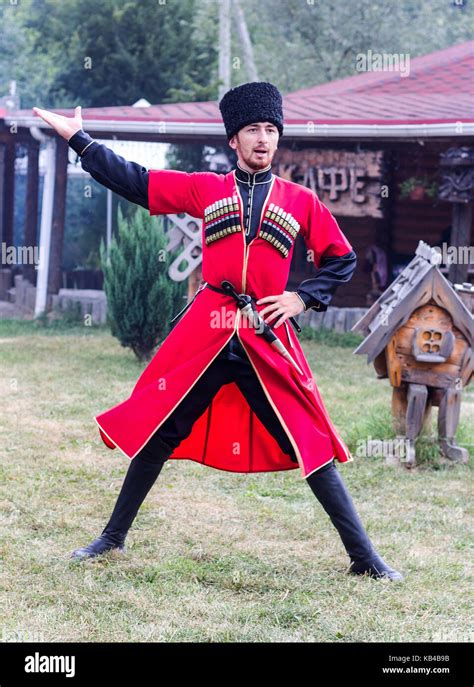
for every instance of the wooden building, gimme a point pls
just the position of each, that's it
(371, 146)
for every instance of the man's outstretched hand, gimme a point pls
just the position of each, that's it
(65, 126)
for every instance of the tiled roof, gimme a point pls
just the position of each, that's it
(439, 88)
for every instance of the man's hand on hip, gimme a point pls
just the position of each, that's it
(65, 126)
(285, 304)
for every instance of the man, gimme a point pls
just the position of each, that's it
(217, 391)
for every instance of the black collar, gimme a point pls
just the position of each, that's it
(260, 177)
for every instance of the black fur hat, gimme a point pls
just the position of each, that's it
(257, 101)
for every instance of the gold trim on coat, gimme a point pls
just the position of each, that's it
(244, 279)
(269, 398)
(265, 205)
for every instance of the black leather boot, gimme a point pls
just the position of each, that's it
(332, 493)
(141, 475)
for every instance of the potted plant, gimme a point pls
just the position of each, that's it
(416, 188)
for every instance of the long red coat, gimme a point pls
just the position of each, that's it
(229, 436)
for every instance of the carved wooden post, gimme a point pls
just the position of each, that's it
(448, 418)
(8, 193)
(457, 187)
(186, 232)
(59, 213)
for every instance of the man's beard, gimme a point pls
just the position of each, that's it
(256, 162)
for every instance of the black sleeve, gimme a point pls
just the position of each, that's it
(128, 179)
(318, 291)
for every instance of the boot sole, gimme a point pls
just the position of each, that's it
(88, 556)
(378, 577)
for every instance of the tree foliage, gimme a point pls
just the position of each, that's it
(167, 52)
(298, 44)
(107, 53)
(141, 298)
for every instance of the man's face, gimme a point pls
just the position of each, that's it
(255, 145)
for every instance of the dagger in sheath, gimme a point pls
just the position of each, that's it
(249, 309)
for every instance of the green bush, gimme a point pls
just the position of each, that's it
(141, 297)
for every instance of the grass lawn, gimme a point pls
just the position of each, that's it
(213, 556)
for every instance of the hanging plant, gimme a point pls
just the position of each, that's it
(417, 188)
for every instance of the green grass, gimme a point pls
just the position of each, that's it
(330, 337)
(213, 556)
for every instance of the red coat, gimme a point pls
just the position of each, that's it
(260, 269)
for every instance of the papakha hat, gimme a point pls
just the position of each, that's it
(257, 101)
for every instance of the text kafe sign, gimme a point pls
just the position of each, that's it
(348, 183)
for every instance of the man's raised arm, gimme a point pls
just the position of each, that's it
(128, 179)
(161, 191)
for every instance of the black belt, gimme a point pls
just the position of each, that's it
(216, 288)
(219, 290)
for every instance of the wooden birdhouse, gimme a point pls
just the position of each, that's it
(419, 334)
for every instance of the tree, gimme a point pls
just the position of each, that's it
(141, 297)
(110, 53)
(300, 44)
(167, 52)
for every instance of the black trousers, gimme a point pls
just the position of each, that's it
(231, 365)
